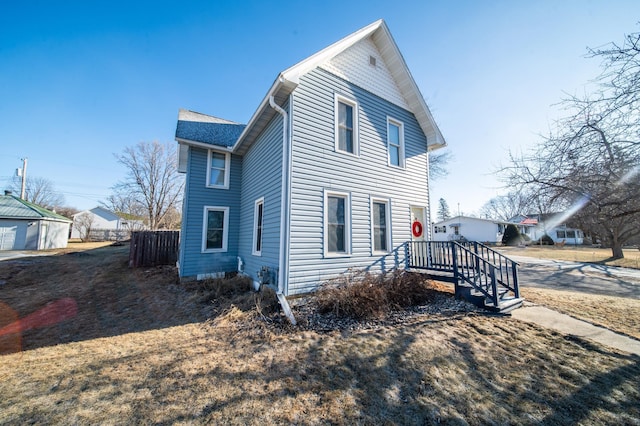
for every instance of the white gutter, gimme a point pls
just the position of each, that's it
(267, 99)
(284, 210)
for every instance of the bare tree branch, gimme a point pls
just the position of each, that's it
(152, 181)
(590, 159)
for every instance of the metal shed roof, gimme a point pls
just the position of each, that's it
(12, 207)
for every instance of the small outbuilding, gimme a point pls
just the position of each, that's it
(27, 226)
(100, 224)
(470, 229)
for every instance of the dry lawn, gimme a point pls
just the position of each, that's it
(143, 349)
(619, 314)
(578, 254)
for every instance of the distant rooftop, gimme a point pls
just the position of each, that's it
(12, 207)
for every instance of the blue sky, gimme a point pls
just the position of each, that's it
(80, 81)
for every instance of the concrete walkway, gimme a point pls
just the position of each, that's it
(548, 318)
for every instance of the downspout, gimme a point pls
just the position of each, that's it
(284, 211)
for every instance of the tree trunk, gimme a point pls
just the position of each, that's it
(616, 250)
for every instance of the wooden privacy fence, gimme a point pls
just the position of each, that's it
(152, 248)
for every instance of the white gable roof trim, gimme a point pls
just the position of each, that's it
(290, 78)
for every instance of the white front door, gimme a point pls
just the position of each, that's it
(419, 224)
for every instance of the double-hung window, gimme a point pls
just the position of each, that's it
(215, 229)
(218, 166)
(346, 125)
(258, 217)
(380, 225)
(337, 221)
(395, 142)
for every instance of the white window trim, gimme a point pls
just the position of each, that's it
(227, 169)
(401, 154)
(356, 127)
(387, 203)
(347, 223)
(225, 231)
(258, 202)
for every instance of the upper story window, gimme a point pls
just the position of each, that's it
(218, 166)
(346, 125)
(395, 142)
(215, 229)
(337, 223)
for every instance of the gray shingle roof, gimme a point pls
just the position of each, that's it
(198, 127)
(12, 207)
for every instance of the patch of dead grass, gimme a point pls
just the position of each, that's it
(578, 254)
(159, 352)
(618, 314)
(474, 369)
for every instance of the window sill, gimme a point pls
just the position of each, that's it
(336, 255)
(339, 151)
(217, 186)
(214, 251)
(397, 167)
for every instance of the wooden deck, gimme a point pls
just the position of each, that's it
(481, 275)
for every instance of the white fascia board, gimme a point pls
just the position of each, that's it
(265, 103)
(293, 73)
(204, 145)
(398, 67)
(183, 152)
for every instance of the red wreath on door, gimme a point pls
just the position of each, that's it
(416, 228)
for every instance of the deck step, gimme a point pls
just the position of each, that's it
(505, 305)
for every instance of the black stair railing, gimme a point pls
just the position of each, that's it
(485, 269)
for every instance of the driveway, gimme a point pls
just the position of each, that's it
(576, 276)
(8, 255)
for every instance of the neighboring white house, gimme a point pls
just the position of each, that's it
(27, 226)
(554, 225)
(469, 228)
(103, 221)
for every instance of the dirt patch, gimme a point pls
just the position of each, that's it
(111, 298)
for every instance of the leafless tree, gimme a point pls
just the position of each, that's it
(38, 190)
(438, 161)
(152, 179)
(84, 223)
(171, 220)
(511, 204)
(66, 211)
(124, 203)
(591, 159)
(443, 210)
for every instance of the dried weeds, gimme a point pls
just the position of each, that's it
(363, 295)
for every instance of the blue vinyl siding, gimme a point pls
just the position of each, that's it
(262, 177)
(317, 167)
(192, 260)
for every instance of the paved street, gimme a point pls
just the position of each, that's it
(576, 276)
